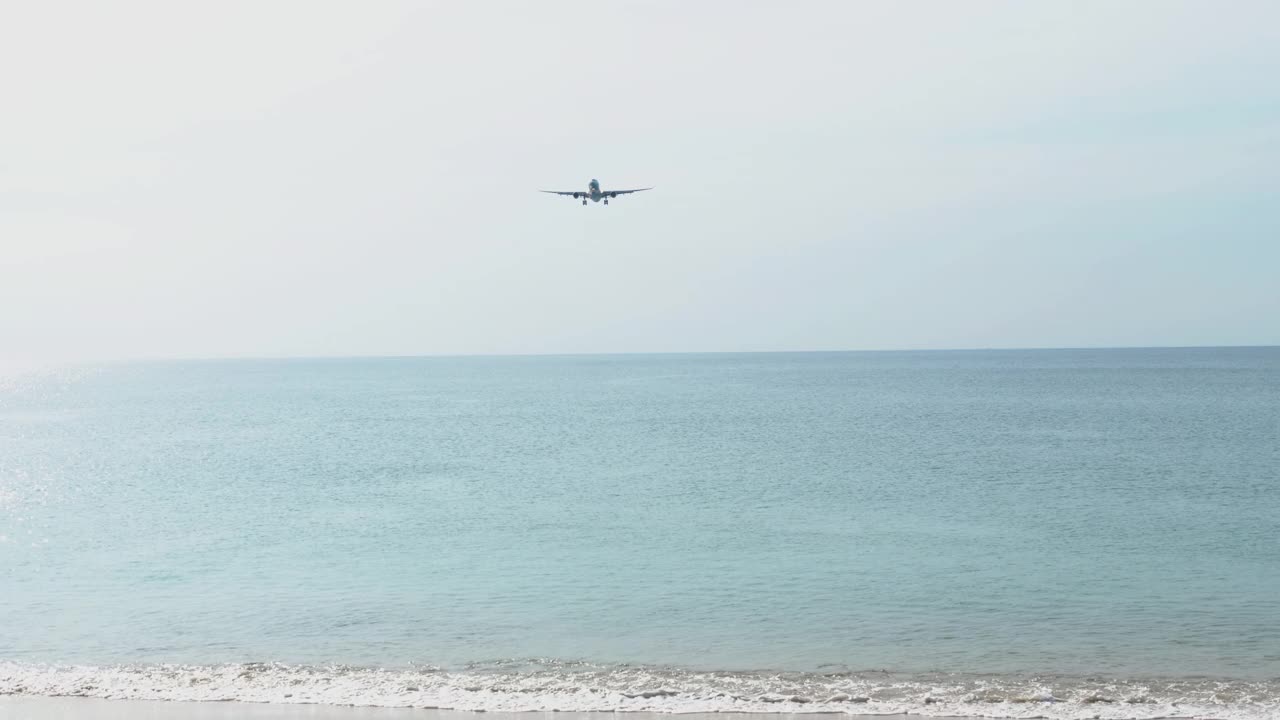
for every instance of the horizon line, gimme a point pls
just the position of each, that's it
(463, 355)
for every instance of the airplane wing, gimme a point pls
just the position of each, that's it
(612, 193)
(574, 193)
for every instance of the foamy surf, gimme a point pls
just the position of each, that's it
(572, 687)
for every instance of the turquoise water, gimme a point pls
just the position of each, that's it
(706, 530)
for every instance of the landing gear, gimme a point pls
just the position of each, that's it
(584, 202)
(606, 201)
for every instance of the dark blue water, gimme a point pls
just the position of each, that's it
(1112, 514)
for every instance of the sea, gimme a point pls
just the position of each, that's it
(1060, 534)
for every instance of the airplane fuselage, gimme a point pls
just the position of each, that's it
(593, 192)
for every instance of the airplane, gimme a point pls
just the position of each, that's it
(594, 193)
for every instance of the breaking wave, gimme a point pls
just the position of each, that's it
(560, 686)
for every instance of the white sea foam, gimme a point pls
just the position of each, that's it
(581, 687)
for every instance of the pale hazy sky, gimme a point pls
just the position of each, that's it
(323, 178)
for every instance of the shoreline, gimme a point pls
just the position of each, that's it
(36, 707)
(288, 693)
